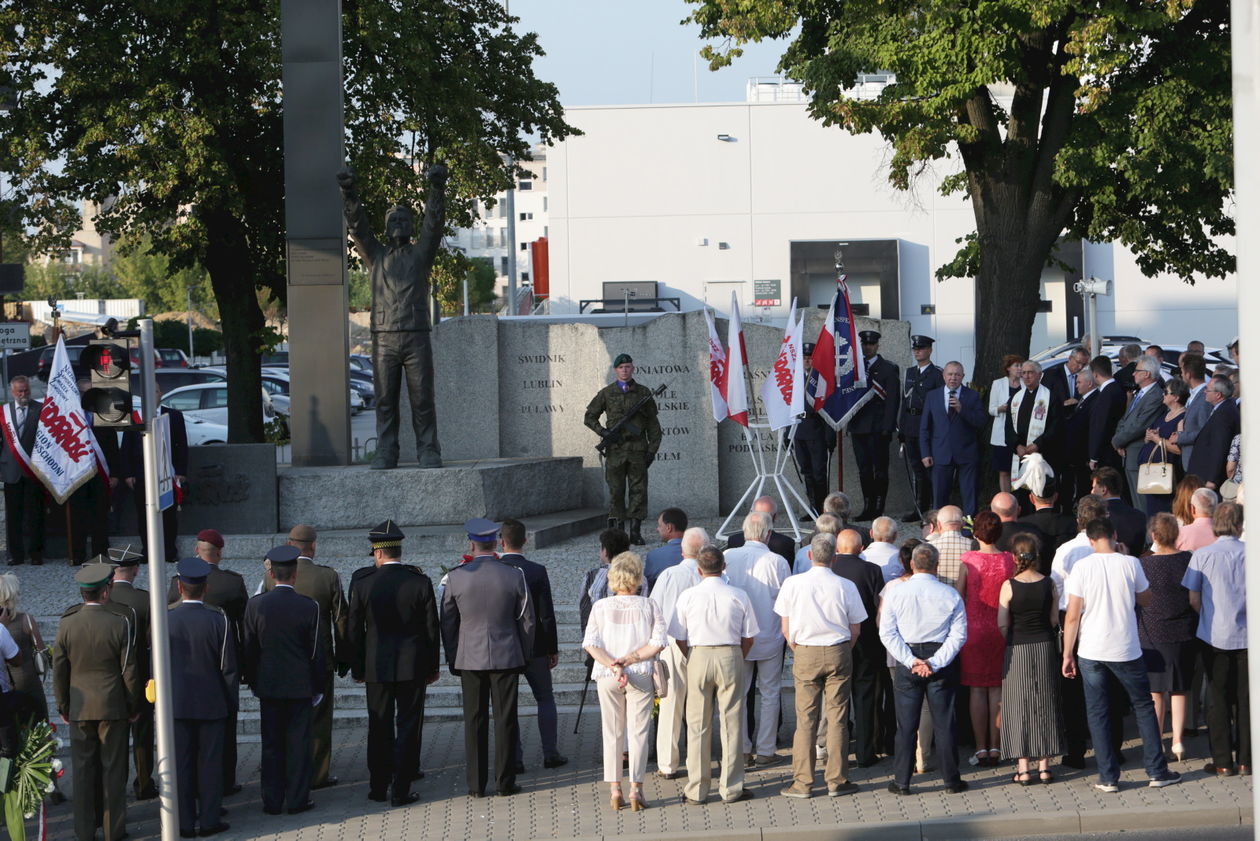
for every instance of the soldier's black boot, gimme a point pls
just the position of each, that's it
(881, 496)
(636, 538)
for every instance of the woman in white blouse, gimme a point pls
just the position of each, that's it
(624, 635)
(1000, 394)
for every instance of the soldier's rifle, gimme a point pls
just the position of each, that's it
(613, 435)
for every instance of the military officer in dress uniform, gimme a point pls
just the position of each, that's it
(813, 445)
(203, 692)
(488, 633)
(921, 377)
(283, 662)
(631, 454)
(225, 589)
(395, 648)
(873, 427)
(96, 686)
(322, 585)
(123, 591)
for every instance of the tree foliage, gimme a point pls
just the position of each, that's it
(1105, 121)
(449, 274)
(169, 116)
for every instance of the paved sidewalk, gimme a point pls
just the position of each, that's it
(571, 802)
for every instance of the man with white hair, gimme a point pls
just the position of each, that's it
(1130, 435)
(780, 544)
(760, 573)
(825, 524)
(1033, 420)
(882, 551)
(1198, 532)
(670, 584)
(951, 543)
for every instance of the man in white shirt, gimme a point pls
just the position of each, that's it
(821, 615)
(713, 626)
(924, 625)
(760, 573)
(825, 524)
(671, 584)
(883, 551)
(1102, 591)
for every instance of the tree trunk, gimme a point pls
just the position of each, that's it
(1008, 289)
(227, 261)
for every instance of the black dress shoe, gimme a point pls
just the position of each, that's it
(519, 768)
(555, 761)
(378, 796)
(958, 787)
(273, 811)
(893, 788)
(215, 830)
(404, 800)
(233, 789)
(305, 807)
(476, 795)
(328, 783)
(509, 791)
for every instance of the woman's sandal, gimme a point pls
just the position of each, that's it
(1026, 775)
(1046, 777)
(980, 757)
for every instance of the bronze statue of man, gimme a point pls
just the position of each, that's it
(400, 314)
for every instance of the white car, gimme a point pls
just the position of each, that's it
(209, 402)
(276, 382)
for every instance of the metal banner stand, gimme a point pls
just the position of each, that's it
(786, 491)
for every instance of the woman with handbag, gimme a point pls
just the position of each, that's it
(1160, 450)
(624, 634)
(28, 677)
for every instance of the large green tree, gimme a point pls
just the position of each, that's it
(1112, 123)
(169, 116)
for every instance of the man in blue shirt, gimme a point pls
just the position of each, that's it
(1217, 581)
(924, 627)
(670, 525)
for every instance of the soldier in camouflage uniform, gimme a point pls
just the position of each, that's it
(630, 456)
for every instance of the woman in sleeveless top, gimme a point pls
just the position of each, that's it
(1032, 711)
(24, 677)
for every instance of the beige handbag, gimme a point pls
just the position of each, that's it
(1155, 477)
(1230, 489)
(660, 678)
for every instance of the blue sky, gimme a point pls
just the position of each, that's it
(601, 52)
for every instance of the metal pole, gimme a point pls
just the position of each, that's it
(190, 341)
(1095, 337)
(163, 717)
(1245, 37)
(511, 244)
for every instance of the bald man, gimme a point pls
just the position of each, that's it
(1007, 508)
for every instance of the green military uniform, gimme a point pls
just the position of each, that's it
(97, 688)
(628, 460)
(126, 594)
(322, 585)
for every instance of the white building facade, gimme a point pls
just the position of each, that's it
(753, 198)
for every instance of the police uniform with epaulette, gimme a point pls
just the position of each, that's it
(919, 380)
(873, 426)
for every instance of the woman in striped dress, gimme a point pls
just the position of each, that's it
(1032, 711)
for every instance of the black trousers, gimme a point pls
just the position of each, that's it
(89, 517)
(940, 690)
(812, 458)
(198, 762)
(229, 751)
(98, 753)
(922, 480)
(142, 748)
(395, 718)
(1228, 699)
(480, 688)
(870, 451)
(393, 355)
(864, 702)
(170, 525)
(24, 518)
(286, 752)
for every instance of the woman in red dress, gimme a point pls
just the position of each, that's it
(980, 583)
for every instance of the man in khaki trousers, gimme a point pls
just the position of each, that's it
(713, 626)
(821, 614)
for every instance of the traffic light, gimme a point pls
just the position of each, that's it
(108, 362)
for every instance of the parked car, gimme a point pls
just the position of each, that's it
(169, 379)
(173, 357)
(74, 352)
(362, 362)
(276, 382)
(209, 401)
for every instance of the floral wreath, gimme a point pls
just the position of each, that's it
(34, 773)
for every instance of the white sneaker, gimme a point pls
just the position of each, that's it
(1110, 788)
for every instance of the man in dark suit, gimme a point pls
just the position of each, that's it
(1061, 380)
(920, 378)
(953, 416)
(1129, 522)
(1057, 528)
(283, 663)
(131, 462)
(225, 589)
(780, 544)
(23, 496)
(1146, 405)
(393, 632)
(97, 688)
(203, 691)
(322, 585)
(812, 445)
(488, 633)
(1074, 481)
(546, 653)
(1125, 374)
(1212, 446)
(1194, 372)
(870, 670)
(872, 428)
(1006, 506)
(123, 591)
(1108, 406)
(89, 505)
(1034, 420)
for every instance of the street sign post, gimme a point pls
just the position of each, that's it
(15, 335)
